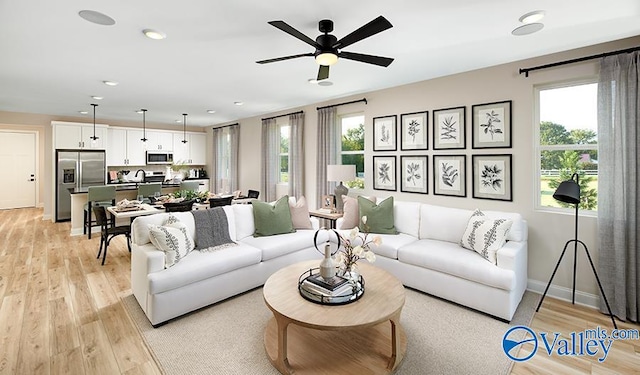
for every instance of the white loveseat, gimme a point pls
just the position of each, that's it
(203, 278)
(426, 255)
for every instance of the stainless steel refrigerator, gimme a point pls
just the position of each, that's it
(76, 169)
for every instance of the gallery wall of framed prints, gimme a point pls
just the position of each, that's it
(490, 174)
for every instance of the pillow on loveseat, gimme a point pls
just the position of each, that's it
(485, 235)
(351, 212)
(379, 216)
(173, 238)
(271, 219)
(299, 213)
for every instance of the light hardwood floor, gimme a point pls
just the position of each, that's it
(60, 310)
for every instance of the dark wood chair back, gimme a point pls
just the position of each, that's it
(253, 194)
(179, 206)
(218, 202)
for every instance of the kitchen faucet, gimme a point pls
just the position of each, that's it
(143, 174)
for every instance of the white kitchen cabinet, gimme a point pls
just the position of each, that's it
(125, 148)
(194, 152)
(75, 136)
(159, 140)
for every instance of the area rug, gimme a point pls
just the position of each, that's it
(227, 338)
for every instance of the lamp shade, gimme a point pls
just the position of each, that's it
(568, 191)
(341, 172)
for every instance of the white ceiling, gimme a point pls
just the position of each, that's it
(52, 61)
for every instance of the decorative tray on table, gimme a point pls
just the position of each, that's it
(337, 291)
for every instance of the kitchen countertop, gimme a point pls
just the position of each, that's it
(121, 187)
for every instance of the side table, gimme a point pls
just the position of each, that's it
(331, 217)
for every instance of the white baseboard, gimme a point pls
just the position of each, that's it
(560, 292)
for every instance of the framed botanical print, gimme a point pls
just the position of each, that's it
(384, 173)
(492, 125)
(449, 128)
(414, 172)
(413, 131)
(449, 175)
(492, 177)
(384, 133)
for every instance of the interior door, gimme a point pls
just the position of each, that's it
(18, 155)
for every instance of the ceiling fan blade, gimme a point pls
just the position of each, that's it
(293, 32)
(284, 58)
(369, 59)
(377, 25)
(323, 72)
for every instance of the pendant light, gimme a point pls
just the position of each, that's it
(184, 128)
(94, 138)
(144, 125)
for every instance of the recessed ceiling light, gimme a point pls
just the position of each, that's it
(527, 29)
(110, 83)
(179, 121)
(532, 17)
(138, 111)
(154, 34)
(238, 103)
(83, 112)
(325, 82)
(211, 111)
(313, 81)
(96, 17)
(98, 97)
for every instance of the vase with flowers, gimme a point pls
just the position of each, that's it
(355, 247)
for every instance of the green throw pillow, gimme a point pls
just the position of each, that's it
(379, 216)
(272, 219)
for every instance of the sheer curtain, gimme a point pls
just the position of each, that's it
(225, 164)
(618, 164)
(270, 158)
(328, 146)
(296, 155)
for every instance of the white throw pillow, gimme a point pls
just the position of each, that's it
(351, 212)
(485, 236)
(173, 238)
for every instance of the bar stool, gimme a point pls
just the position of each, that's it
(149, 190)
(190, 185)
(104, 196)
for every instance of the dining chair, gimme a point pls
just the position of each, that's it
(190, 185)
(253, 194)
(149, 190)
(103, 196)
(179, 206)
(108, 232)
(218, 202)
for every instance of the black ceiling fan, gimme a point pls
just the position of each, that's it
(328, 47)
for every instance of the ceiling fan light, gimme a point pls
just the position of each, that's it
(532, 17)
(327, 58)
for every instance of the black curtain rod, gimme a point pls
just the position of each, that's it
(286, 114)
(225, 126)
(580, 59)
(337, 105)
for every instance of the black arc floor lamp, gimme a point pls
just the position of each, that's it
(569, 192)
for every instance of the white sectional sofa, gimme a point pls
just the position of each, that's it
(203, 278)
(426, 255)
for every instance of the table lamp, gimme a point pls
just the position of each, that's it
(569, 192)
(340, 173)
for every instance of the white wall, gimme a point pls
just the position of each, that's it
(548, 232)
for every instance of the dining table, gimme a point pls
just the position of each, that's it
(134, 211)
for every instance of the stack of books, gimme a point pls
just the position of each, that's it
(337, 286)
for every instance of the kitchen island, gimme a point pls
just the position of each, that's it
(123, 191)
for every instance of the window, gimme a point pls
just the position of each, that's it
(568, 142)
(224, 161)
(285, 132)
(352, 150)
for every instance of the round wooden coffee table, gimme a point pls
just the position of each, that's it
(364, 336)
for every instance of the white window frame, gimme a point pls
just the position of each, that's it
(538, 148)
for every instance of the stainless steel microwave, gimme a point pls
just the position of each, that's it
(159, 157)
